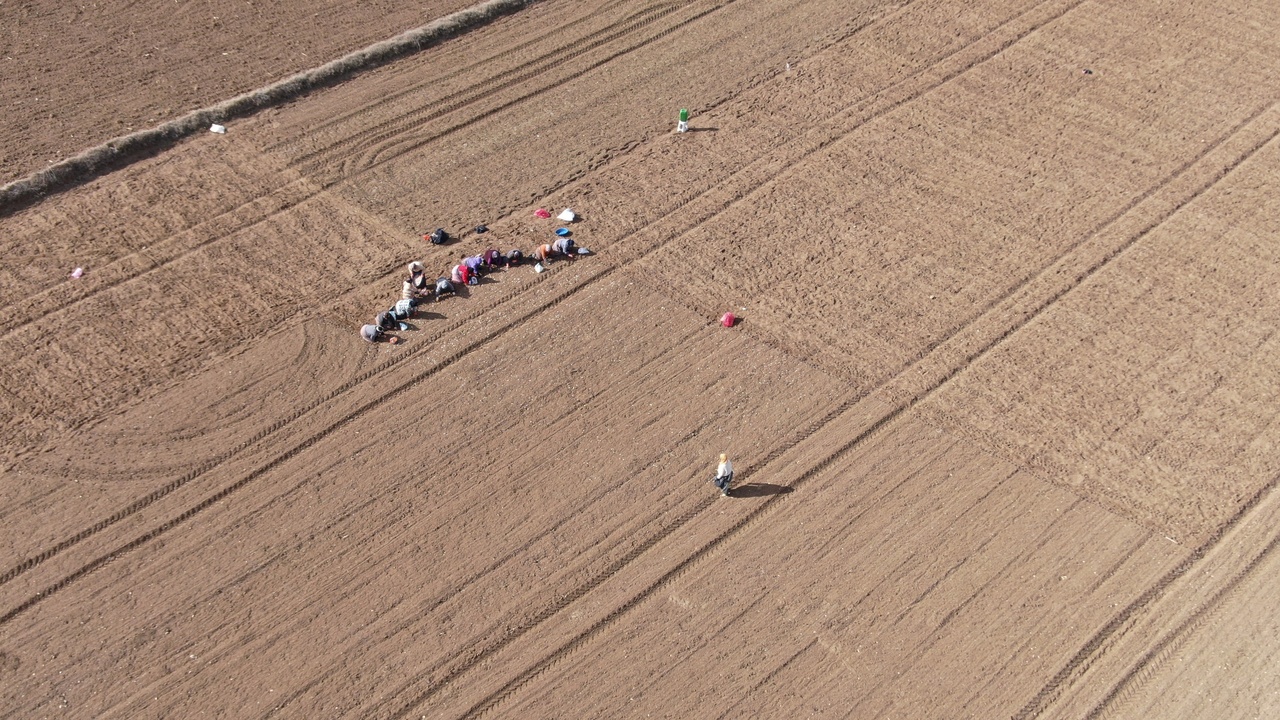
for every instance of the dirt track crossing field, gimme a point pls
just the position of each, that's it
(1002, 401)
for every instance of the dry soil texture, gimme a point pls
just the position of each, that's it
(76, 74)
(1002, 400)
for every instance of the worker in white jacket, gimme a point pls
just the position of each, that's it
(724, 474)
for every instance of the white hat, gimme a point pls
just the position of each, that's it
(415, 267)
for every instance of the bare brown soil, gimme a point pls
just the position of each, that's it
(75, 75)
(1002, 400)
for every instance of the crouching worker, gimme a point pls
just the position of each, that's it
(402, 310)
(373, 334)
(475, 264)
(416, 269)
(386, 320)
(565, 246)
(543, 253)
(462, 275)
(514, 258)
(415, 289)
(444, 288)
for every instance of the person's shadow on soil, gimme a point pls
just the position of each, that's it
(420, 315)
(751, 490)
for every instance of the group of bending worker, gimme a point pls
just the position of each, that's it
(417, 288)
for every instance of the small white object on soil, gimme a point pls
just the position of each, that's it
(567, 215)
(218, 129)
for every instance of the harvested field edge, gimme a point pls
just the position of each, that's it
(120, 151)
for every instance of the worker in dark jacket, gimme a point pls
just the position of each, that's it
(444, 288)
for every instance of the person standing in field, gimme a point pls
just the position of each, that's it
(724, 474)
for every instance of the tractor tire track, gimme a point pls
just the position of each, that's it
(835, 36)
(604, 491)
(475, 651)
(870, 432)
(1096, 646)
(226, 491)
(350, 167)
(462, 70)
(1171, 644)
(290, 195)
(1124, 621)
(695, 558)
(459, 99)
(1069, 275)
(205, 467)
(298, 191)
(158, 256)
(295, 192)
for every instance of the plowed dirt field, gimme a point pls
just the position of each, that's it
(1002, 398)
